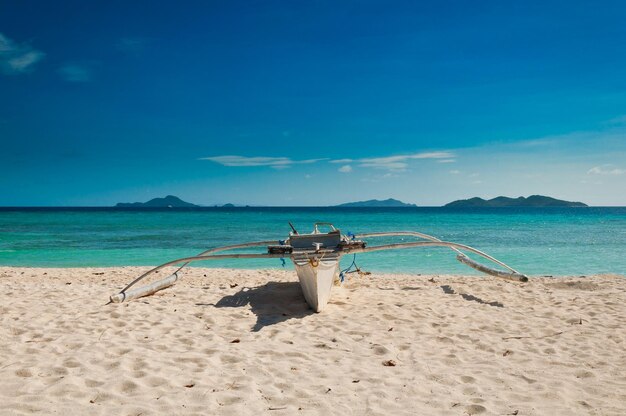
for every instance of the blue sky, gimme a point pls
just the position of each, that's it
(311, 103)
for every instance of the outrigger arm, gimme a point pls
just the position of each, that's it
(513, 275)
(185, 262)
(314, 255)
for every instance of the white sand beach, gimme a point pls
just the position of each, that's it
(244, 342)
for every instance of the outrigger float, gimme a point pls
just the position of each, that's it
(316, 258)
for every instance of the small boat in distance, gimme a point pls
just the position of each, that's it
(316, 258)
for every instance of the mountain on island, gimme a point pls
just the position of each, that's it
(375, 203)
(538, 201)
(169, 201)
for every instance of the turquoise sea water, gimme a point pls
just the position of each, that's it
(555, 241)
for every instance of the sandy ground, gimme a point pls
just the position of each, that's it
(240, 342)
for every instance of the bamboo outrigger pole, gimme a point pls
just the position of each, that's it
(303, 249)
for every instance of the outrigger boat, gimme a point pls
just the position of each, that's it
(316, 258)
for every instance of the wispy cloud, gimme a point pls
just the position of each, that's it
(131, 44)
(17, 58)
(620, 120)
(541, 142)
(75, 73)
(606, 170)
(379, 178)
(245, 161)
(395, 163)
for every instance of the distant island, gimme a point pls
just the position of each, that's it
(169, 201)
(172, 201)
(376, 203)
(503, 201)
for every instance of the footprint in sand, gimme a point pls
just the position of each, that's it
(71, 363)
(584, 374)
(210, 351)
(93, 383)
(59, 371)
(127, 387)
(154, 381)
(122, 351)
(379, 349)
(468, 379)
(230, 359)
(475, 409)
(23, 372)
(139, 364)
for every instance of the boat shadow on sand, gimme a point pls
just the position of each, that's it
(272, 303)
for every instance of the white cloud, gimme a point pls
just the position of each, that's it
(455, 172)
(391, 163)
(446, 160)
(75, 73)
(385, 164)
(606, 170)
(244, 161)
(17, 58)
(395, 163)
(23, 62)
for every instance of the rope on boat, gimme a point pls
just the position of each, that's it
(347, 269)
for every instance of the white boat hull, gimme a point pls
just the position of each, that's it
(316, 279)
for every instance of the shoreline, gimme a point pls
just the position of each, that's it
(241, 341)
(142, 268)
